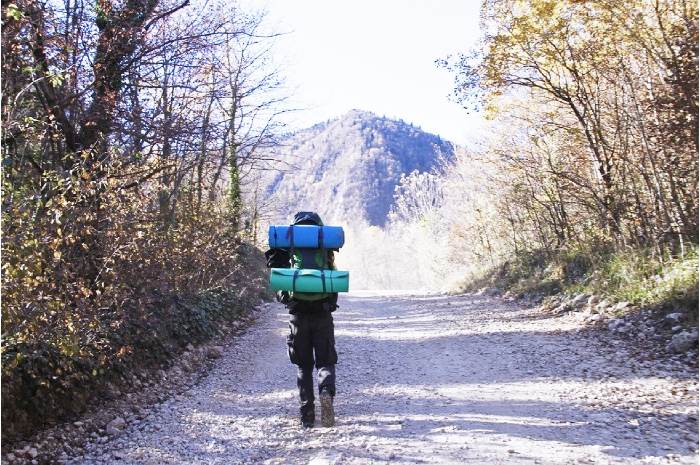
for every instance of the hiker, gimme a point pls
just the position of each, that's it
(311, 340)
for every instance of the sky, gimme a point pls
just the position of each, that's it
(374, 55)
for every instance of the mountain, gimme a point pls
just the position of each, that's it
(347, 168)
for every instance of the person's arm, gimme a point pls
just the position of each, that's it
(277, 258)
(282, 296)
(333, 298)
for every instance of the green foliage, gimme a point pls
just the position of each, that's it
(595, 169)
(645, 280)
(234, 193)
(526, 272)
(598, 149)
(118, 246)
(14, 12)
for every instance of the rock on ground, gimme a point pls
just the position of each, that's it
(683, 341)
(428, 379)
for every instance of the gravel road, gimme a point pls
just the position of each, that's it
(428, 379)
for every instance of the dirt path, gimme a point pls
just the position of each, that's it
(447, 380)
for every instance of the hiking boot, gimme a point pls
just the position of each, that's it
(327, 413)
(308, 417)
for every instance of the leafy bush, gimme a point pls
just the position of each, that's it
(119, 243)
(43, 384)
(98, 282)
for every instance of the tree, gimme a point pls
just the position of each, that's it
(612, 81)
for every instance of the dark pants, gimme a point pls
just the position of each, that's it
(311, 342)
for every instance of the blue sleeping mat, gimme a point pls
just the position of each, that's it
(306, 236)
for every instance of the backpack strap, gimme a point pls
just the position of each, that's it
(320, 237)
(290, 236)
(324, 252)
(323, 280)
(294, 280)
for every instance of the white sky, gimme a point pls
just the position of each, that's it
(374, 55)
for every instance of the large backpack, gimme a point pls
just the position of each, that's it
(315, 259)
(304, 258)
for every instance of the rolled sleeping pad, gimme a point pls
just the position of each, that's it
(308, 280)
(304, 236)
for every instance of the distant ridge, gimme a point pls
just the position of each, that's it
(347, 168)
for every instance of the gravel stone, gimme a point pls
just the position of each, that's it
(118, 423)
(579, 301)
(673, 319)
(616, 325)
(684, 341)
(215, 352)
(621, 306)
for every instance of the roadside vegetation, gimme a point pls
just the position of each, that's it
(128, 128)
(587, 179)
(636, 277)
(597, 180)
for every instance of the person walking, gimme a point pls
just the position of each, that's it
(311, 341)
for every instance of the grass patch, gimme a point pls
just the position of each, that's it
(635, 276)
(644, 280)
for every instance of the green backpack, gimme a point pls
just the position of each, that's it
(315, 259)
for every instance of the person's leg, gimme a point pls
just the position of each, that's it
(326, 379)
(305, 383)
(323, 339)
(300, 350)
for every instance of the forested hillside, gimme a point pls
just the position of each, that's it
(603, 101)
(348, 168)
(598, 174)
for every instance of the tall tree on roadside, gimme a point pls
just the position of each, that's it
(625, 75)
